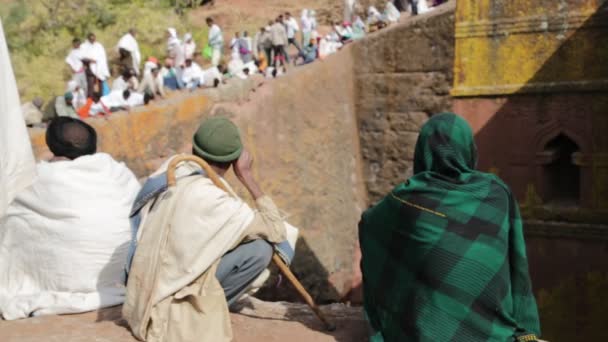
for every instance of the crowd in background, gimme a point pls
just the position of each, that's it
(92, 92)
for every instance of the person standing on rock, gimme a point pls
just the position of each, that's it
(74, 60)
(216, 41)
(279, 42)
(129, 44)
(216, 247)
(443, 254)
(291, 26)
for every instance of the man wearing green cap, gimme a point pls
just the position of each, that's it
(213, 245)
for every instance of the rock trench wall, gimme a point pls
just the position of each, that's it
(404, 75)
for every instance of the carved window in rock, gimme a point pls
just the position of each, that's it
(561, 174)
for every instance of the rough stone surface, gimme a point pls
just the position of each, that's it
(259, 322)
(404, 76)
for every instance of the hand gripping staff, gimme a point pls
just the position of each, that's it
(283, 268)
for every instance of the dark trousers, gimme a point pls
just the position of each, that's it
(294, 42)
(268, 52)
(279, 55)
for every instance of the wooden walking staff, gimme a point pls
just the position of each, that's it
(283, 268)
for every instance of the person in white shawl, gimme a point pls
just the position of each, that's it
(306, 24)
(17, 166)
(180, 286)
(64, 240)
(129, 43)
(173, 42)
(95, 54)
(175, 48)
(74, 60)
(312, 16)
(391, 13)
(216, 41)
(189, 46)
(192, 75)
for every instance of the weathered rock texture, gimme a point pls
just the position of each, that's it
(403, 75)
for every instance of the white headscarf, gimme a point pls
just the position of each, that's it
(129, 43)
(172, 41)
(189, 46)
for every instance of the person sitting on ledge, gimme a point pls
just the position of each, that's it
(216, 247)
(443, 254)
(64, 240)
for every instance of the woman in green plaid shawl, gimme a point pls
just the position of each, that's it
(444, 256)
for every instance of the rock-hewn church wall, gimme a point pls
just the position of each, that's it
(403, 75)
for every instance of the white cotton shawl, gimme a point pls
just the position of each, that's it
(96, 52)
(64, 240)
(74, 60)
(17, 166)
(129, 43)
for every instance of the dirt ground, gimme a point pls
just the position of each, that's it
(267, 322)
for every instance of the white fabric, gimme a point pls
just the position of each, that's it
(80, 98)
(423, 6)
(172, 42)
(292, 27)
(189, 50)
(312, 15)
(120, 84)
(373, 15)
(114, 99)
(64, 241)
(349, 10)
(129, 43)
(391, 12)
(191, 74)
(96, 52)
(135, 99)
(211, 74)
(305, 21)
(74, 60)
(235, 68)
(17, 166)
(234, 47)
(216, 40)
(189, 46)
(328, 46)
(223, 217)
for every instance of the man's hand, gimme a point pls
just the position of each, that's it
(244, 165)
(243, 171)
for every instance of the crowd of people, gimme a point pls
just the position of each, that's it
(91, 91)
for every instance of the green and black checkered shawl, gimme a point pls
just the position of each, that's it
(444, 256)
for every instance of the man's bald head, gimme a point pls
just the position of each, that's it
(71, 138)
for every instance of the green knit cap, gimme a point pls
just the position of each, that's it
(217, 139)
